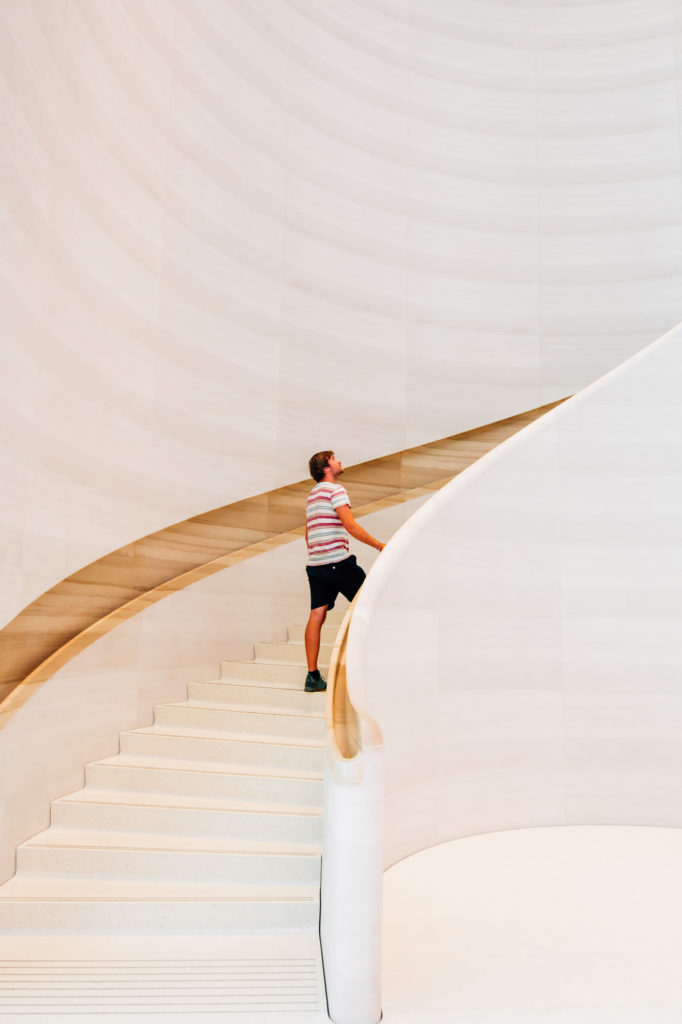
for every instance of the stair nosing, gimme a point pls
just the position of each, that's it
(91, 847)
(291, 664)
(264, 684)
(244, 710)
(236, 769)
(291, 643)
(154, 730)
(157, 899)
(67, 800)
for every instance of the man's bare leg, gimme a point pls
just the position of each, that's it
(313, 632)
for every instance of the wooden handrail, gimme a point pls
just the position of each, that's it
(344, 731)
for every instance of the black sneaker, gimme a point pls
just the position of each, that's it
(313, 685)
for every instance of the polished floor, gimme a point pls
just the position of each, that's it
(574, 925)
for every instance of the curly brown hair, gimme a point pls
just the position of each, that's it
(318, 463)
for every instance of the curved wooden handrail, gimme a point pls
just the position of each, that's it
(348, 730)
(344, 732)
(74, 613)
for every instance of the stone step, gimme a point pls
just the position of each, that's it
(155, 857)
(188, 778)
(265, 673)
(223, 747)
(86, 811)
(32, 903)
(246, 722)
(257, 697)
(290, 653)
(328, 634)
(90, 794)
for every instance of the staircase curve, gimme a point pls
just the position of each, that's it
(517, 647)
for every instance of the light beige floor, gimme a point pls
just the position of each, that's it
(540, 926)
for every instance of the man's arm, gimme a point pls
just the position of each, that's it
(355, 530)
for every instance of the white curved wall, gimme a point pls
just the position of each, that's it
(218, 214)
(519, 641)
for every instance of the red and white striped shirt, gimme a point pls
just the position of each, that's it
(327, 537)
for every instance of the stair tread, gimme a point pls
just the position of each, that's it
(140, 798)
(185, 731)
(294, 643)
(54, 887)
(266, 684)
(101, 839)
(159, 763)
(215, 705)
(240, 662)
(302, 664)
(273, 684)
(285, 664)
(160, 949)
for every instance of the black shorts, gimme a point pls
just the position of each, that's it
(328, 581)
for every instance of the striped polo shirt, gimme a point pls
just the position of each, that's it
(327, 537)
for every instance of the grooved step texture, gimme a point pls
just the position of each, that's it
(231, 987)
